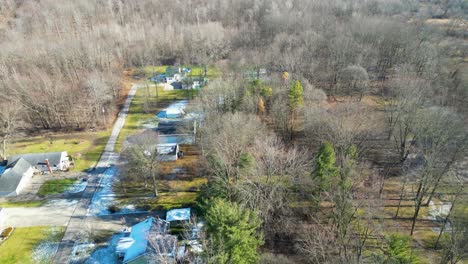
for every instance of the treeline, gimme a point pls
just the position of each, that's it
(61, 61)
(314, 172)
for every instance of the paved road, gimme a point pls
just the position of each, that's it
(78, 220)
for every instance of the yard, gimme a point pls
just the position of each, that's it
(33, 203)
(22, 245)
(178, 184)
(84, 147)
(56, 186)
(196, 71)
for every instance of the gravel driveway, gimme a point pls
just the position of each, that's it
(55, 213)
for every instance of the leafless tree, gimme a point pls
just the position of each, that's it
(10, 121)
(441, 141)
(143, 158)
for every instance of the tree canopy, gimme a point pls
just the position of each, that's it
(233, 233)
(295, 95)
(325, 168)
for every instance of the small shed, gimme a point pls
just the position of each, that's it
(168, 151)
(181, 214)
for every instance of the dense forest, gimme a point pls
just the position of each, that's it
(353, 124)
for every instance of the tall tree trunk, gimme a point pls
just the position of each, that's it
(417, 206)
(442, 229)
(155, 187)
(4, 147)
(402, 191)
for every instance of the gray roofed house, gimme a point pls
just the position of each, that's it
(56, 160)
(15, 177)
(20, 168)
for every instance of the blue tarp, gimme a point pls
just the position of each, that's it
(182, 214)
(162, 114)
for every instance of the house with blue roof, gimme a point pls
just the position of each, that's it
(148, 242)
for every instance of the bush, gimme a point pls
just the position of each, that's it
(6, 232)
(113, 209)
(268, 258)
(144, 207)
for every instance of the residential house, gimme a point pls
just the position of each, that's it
(20, 168)
(194, 83)
(148, 242)
(174, 74)
(175, 110)
(44, 162)
(159, 78)
(255, 74)
(15, 177)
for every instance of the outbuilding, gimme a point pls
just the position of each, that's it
(168, 152)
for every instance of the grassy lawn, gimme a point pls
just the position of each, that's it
(84, 147)
(19, 246)
(170, 200)
(35, 203)
(174, 191)
(195, 71)
(56, 186)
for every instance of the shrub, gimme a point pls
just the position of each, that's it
(113, 209)
(6, 232)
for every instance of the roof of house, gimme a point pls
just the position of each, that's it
(181, 214)
(137, 243)
(38, 158)
(167, 149)
(171, 71)
(13, 174)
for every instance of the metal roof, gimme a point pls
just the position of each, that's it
(182, 214)
(55, 158)
(13, 174)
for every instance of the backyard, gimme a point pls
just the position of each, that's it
(84, 147)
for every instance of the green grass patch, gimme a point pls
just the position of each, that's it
(101, 236)
(56, 186)
(152, 70)
(18, 248)
(84, 147)
(35, 203)
(167, 201)
(196, 71)
(193, 184)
